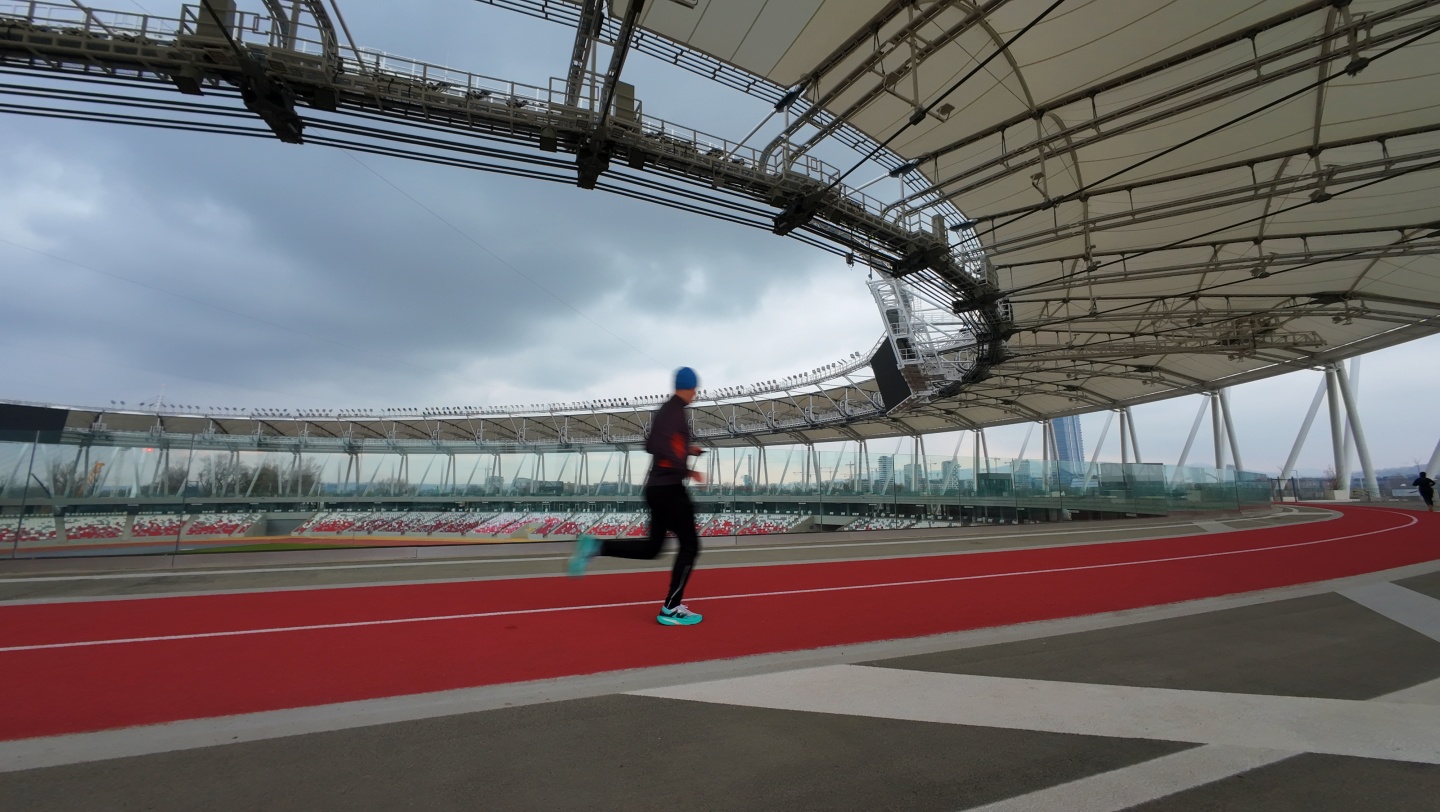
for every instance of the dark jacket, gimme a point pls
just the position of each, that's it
(669, 443)
(1424, 483)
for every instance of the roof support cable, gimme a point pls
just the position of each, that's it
(349, 38)
(803, 208)
(1313, 200)
(1079, 194)
(1209, 289)
(1089, 93)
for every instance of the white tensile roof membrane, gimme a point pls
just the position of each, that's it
(1174, 193)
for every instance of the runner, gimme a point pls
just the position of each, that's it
(1426, 485)
(668, 500)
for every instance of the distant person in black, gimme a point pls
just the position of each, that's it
(1426, 485)
(669, 502)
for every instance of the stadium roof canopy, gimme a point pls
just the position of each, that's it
(1170, 193)
(1170, 196)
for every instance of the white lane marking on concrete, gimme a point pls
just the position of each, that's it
(739, 596)
(1426, 693)
(1213, 527)
(142, 574)
(1141, 783)
(1293, 724)
(1404, 606)
(1147, 781)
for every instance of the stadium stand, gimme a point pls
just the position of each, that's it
(721, 525)
(327, 523)
(225, 524)
(157, 526)
(373, 523)
(613, 524)
(877, 523)
(768, 525)
(34, 529)
(94, 527)
(393, 523)
(458, 523)
(575, 524)
(503, 524)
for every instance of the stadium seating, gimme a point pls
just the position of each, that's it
(373, 523)
(721, 525)
(392, 523)
(503, 524)
(877, 523)
(157, 526)
(224, 524)
(34, 529)
(611, 525)
(79, 528)
(767, 525)
(574, 525)
(323, 523)
(455, 523)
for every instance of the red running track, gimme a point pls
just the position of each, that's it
(84, 666)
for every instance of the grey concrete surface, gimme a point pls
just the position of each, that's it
(1308, 782)
(1319, 646)
(1424, 584)
(608, 753)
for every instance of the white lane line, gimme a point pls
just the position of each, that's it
(483, 560)
(1404, 606)
(145, 574)
(1368, 729)
(317, 626)
(1410, 520)
(1141, 783)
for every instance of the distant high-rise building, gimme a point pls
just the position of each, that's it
(884, 473)
(913, 476)
(1069, 444)
(950, 473)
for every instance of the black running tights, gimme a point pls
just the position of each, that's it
(670, 511)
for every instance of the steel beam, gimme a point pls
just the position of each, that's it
(1304, 432)
(1337, 431)
(1352, 409)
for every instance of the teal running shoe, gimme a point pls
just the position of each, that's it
(585, 549)
(679, 616)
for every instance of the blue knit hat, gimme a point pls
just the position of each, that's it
(685, 378)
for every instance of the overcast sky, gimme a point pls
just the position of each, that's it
(246, 272)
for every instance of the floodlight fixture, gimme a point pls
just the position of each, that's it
(905, 168)
(791, 96)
